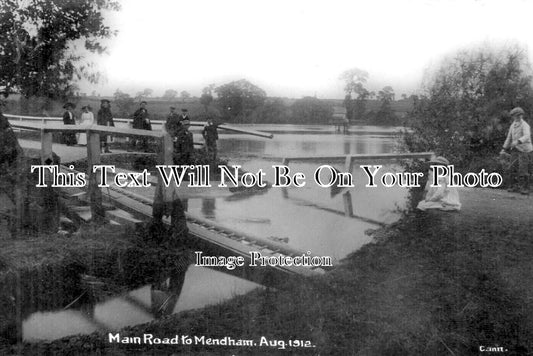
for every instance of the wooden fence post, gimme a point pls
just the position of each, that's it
(51, 203)
(93, 158)
(347, 196)
(284, 190)
(163, 194)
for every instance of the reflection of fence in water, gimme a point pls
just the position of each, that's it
(349, 160)
(227, 238)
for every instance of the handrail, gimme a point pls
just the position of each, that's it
(44, 119)
(55, 118)
(57, 127)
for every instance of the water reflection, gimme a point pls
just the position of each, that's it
(290, 145)
(192, 288)
(308, 218)
(209, 207)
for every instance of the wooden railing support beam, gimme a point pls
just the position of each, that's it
(93, 158)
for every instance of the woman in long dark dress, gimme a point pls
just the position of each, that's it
(69, 138)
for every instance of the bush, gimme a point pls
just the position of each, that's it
(464, 114)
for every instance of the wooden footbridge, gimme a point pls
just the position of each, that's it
(131, 207)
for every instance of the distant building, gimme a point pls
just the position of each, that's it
(339, 118)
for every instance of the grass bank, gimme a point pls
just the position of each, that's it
(54, 271)
(433, 284)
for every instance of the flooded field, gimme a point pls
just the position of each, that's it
(307, 218)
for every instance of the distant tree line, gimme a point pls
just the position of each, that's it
(357, 98)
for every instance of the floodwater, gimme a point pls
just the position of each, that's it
(309, 217)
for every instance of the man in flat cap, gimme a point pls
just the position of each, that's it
(183, 144)
(172, 126)
(69, 138)
(105, 118)
(519, 142)
(184, 115)
(141, 121)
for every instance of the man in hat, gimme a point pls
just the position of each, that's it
(184, 144)
(441, 197)
(141, 121)
(69, 138)
(105, 118)
(210, 136)
(172, 126)
(184, 115)
(518, 141)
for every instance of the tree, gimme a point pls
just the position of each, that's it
(273, 110)
(311, 110)
(124, 103)
(170, 94)
(239, 99)
(39, 44)
(463, 114)
(354, 79)
(207, 96)
(209, 89)
(145, 94)
(385, 114)
(184, 95)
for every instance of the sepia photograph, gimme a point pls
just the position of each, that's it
(346, 177)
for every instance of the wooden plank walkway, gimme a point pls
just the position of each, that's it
(235, 242)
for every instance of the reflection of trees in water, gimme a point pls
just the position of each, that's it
(61, 287)
(23, 293)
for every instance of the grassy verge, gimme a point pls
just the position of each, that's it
(433, 284)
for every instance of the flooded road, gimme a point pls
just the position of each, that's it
(307, 218)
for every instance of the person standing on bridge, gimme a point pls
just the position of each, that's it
(141, 121)
(172, 126)
(210, 135)
(69, 138)
(87, 118)
(184, 115)
(105, 118)
(519, 142)
(184, 144)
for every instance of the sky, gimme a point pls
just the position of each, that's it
(296, 48)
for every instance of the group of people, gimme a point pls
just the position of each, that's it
(177, 125)
(517, 150)
(104, 117)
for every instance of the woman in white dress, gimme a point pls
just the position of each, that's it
(442, 196)
(87, 118)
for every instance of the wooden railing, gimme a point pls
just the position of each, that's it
(93, 152)
(52, 120)
(48, 125)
